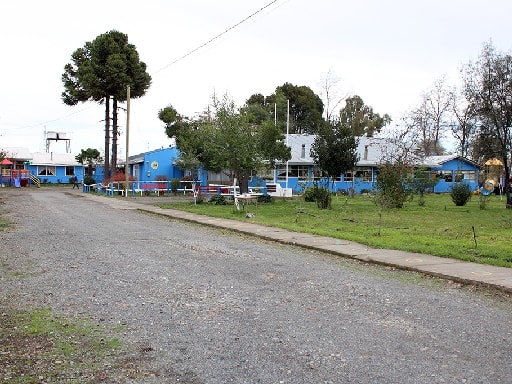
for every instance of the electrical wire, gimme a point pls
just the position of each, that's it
(170, 64)
(216, 37)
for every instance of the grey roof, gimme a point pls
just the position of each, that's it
(17, 153)
(45, 158)
(295, 142)
(438, 161)
(370, 149)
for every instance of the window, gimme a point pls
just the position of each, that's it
(349, 176)
(466, 175)
(70, 171)
(299, 171)
(46, 170)
(446, 176)
(265, 174)
(365, 174)
(318, 174)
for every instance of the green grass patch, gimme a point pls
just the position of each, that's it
(38, 346)
(438, 228)
(4, 223)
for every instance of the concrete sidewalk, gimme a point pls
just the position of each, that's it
(463, 272)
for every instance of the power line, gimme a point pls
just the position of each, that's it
(216, 37)
(168, 65)
(48, 121)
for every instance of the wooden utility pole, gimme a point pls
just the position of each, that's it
(126, 165)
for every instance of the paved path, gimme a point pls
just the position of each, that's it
(456, 270)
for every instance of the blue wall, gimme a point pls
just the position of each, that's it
(448, 170)
(60, 174)
(159, 162)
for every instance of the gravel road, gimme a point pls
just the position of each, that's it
(199, 305)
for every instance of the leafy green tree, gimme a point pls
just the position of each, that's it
(486, 144)
(174, 122)
(488, 86)
(90, 157)
(361, 118)
(228, 139)
(335, 149)
(391, 190)
(271, 146)
(100, 71)
(305, 113)
(421, 182)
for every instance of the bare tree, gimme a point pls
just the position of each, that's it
(430, 120)
(331, 94)
(463, 126)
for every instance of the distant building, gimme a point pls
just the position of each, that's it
(298, 173)
(303, 172)
(50, 167)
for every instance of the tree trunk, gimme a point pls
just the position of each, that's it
(243, 182)
(106, 166)
(115, 132)
(507, 182)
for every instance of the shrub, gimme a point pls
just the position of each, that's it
(460, 194)
(390, 190)
(264, 199)
(321, 196)
(218, 200)
(88, 180)
(483, 201)
(175, 183)
(310, 194)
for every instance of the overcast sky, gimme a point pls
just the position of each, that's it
(387, 52)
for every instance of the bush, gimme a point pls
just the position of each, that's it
(390, 190)
(460, 194)
(88, 180)
(218, 200)
(175, 183)
(321, 196)
(264, 199)
(310, 194)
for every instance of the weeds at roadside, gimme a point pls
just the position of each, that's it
(38, 346)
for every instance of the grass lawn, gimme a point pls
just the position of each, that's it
(438, 228)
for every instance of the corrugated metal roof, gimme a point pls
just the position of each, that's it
(44, 158)
(438, 161)
(17, 153)
(370, 149)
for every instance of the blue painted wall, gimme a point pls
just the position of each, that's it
(60, 174)
(447, 175)
(448, 171)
